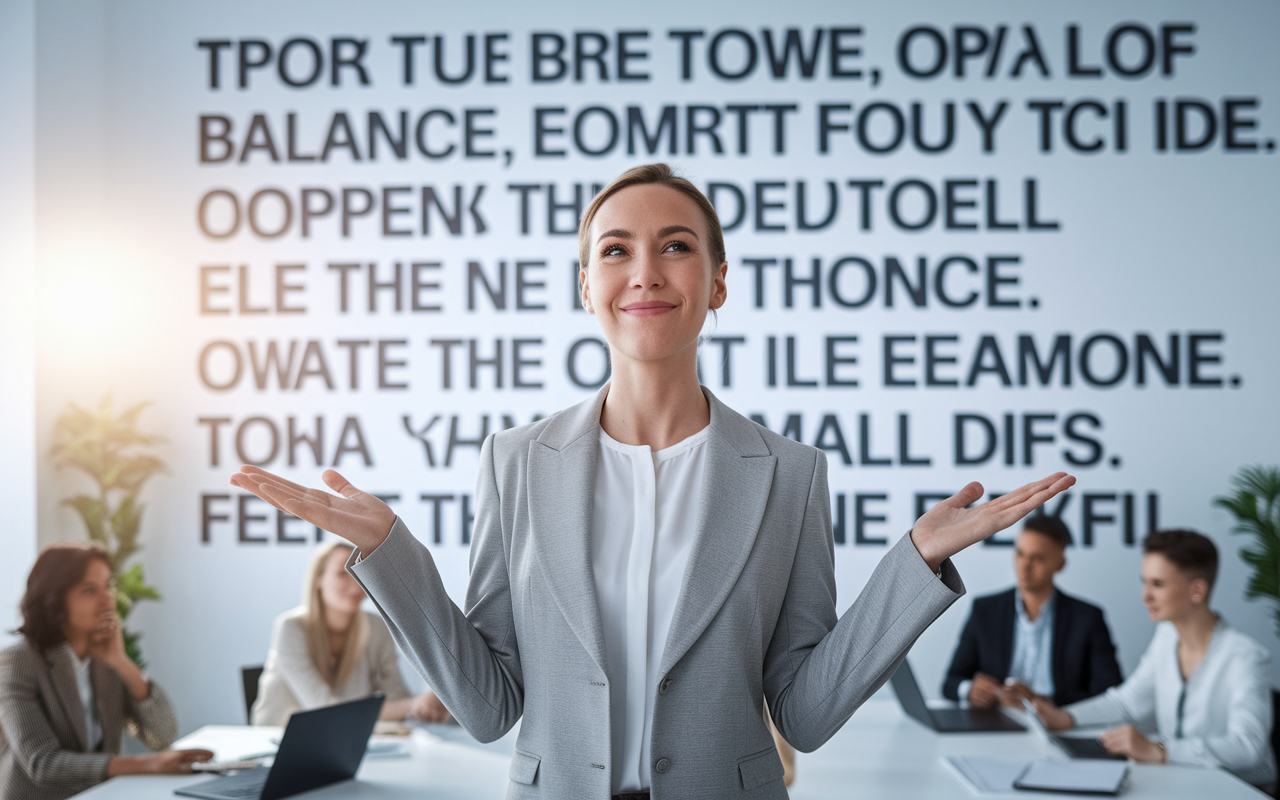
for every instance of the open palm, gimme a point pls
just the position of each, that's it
(950, 527)
(356, 516)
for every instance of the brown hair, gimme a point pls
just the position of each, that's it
(334, 674)
(1194, 554)
(58, 568)
(1050, 527)
(663, 175)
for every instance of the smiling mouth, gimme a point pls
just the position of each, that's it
(648, 308)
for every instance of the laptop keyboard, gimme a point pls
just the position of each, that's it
(242, 786)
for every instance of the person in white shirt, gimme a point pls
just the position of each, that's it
(328, 651)
(648, 566)
(1206, 684)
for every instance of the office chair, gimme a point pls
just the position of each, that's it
(249, 679)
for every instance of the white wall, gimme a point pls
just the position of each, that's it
(1150, 242)
(17, 335)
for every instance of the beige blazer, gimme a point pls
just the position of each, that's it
(42, 733)
(290, 682)
(755, 619)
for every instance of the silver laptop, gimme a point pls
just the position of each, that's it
(946, 720)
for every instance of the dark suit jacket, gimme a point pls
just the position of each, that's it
(1084, 659)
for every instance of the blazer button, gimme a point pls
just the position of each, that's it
(664, 686)
(662, 766)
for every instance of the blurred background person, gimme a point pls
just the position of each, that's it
(68, 689)
(1033, 639)
(1207, 685)
(328, 651)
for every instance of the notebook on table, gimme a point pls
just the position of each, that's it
(319, 747)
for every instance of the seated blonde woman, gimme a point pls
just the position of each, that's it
(328, 651)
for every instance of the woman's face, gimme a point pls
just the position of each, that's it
(338, 589)
(91, 603)
(650, 280)
(1167, 592)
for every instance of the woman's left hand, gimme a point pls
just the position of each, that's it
(949, 527)
(1126, 741)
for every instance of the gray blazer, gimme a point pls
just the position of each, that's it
(42, 735)
(756, 616)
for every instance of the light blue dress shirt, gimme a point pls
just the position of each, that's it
(1032, 661)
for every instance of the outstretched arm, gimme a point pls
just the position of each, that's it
(469, 659)
(819, 671)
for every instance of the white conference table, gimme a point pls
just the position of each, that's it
(880, 753)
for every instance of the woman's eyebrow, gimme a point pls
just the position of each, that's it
(670, 229)
(618, 232)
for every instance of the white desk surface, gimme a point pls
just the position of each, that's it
(880, 753)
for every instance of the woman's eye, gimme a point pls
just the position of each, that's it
(612, 250)
(677, 245)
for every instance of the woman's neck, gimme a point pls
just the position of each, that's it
(1195, 630)
(79, 643)
(658, 404)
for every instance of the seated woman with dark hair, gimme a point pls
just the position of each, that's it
(1207, 685)
(68, 689)
(328, 650)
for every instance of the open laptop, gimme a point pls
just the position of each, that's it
(1074, 746)
(946, 720)
(319, 747)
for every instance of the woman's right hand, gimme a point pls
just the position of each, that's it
(1054, 718)
(165, 762)
(356, 516)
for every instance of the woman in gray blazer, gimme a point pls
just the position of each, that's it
(68, 689)
(648, 567)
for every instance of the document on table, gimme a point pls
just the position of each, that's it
(1003, 775)
(987, 775)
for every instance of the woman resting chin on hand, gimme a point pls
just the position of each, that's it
(72, 659)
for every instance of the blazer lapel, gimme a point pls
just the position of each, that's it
(109, 699)
(1008, 621)
(735, 490)
(63, 676)
(561, 489)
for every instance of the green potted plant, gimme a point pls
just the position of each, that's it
(1255, 503)
(111, 450)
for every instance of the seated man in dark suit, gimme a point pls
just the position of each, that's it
(1033, 640)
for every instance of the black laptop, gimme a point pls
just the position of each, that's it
(319, 747)
(946, 720)
(1074, 746)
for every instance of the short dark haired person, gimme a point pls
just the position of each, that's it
(1207, 685)
(68, 689)
(1034, 639)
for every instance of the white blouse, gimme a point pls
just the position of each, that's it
(643, 527)
(1220, 717)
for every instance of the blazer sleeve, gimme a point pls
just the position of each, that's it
(471, 660)
(818, 669)
(151, 721)
(30, 734)
(386, 676)
(964, 662)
